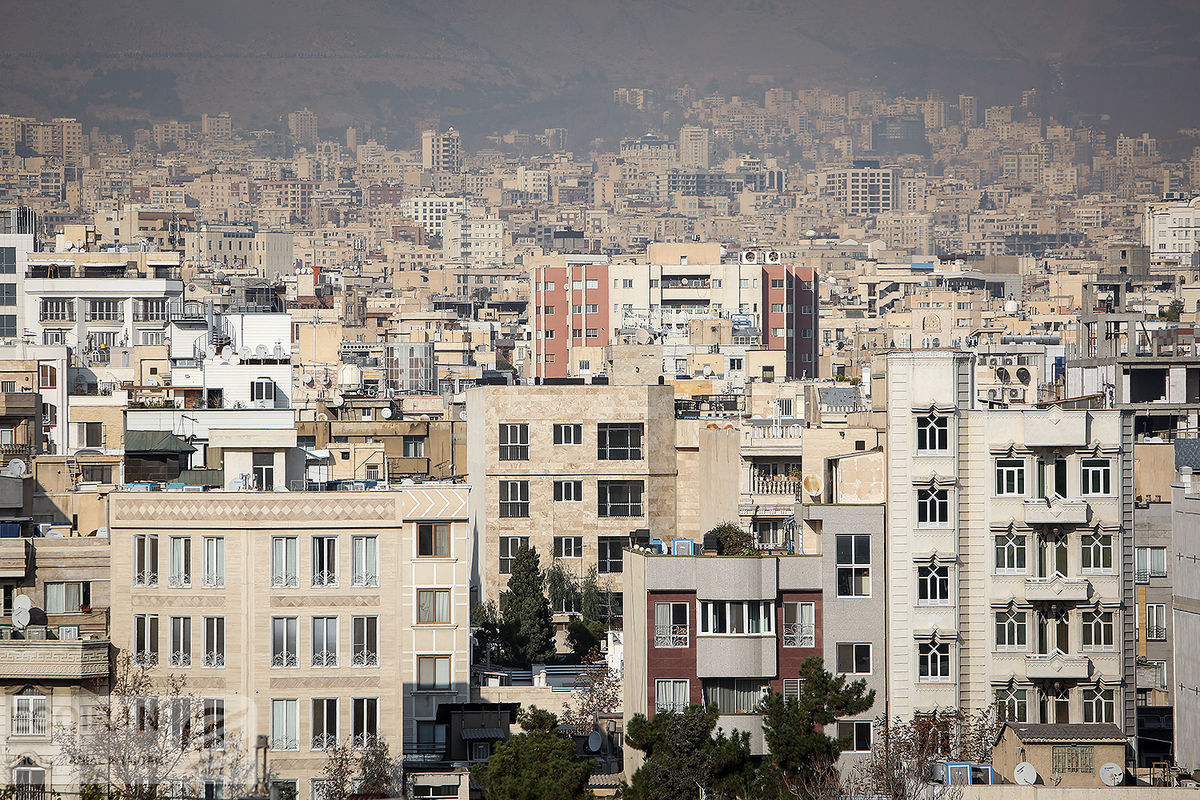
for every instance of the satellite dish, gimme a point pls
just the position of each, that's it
(210, 351)
(261, 351)
(1111, 774)
(595, 740)
(152, 381)
(235, 360)
(16, 468)
(386, 413)
(325, 381)
(244, 352)
(22, 602)
(20, 618)
(278, 350)
(813, 485)
(462, 415)
(337, 401)
(1025, 774)
(308, 380)
(226, 352)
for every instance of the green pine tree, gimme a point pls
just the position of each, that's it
(538, 764)
(527, 628)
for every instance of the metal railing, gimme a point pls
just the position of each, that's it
(287, 580)
(365, 658)
(146, 578)
(214, 659)
(324, 578)
(180, 658)
(1156, 633)
(767, 484)
(324, 741)
(799, 634)
(670, 635)
(285, 659)
(324, 658)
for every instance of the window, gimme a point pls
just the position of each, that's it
(509, 547)
(1010, 476)
(433, 540)
(734, 695)
(591, 308)
(1013, 704)
(325, 641)
(365, 633)
(799, 625)
(514, 499)
(568, 491)
(735, 364)
(69, 597)
(284, 730)
(264, 470)
(214, 642)
(433, 672)
(414, 447)
(145, 639)
(568, 546)
(619, 498)
(105, 311)
(1097, 553)
(1073, 757)
(1150, 562)
(854, 658)
(91, 434)
(29, 713)
(283, 562)
(856, 736)
(284, 652)
(737, 617)
(671, 695)
(566, 433)
(933, 434)
(8, 326)
(933, 507)
(514, 441)
(853, 565)
(433, 606)
(933, 661)
(1097, 630)
(619, 441)
(1099, 705)
(608, 554)
(933, 584)
(324, 723)
(1010, 553)
(671, 625)
(214, 562)
(181, 642)
(145, 560)
(180, 575)
(324, 561)
(1011, 630)
(364, 553)
(8, 260)
(213, 715)
(1097, 476)
(593, 333)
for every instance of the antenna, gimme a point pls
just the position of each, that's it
(1111, 774)
(1025, 774)
(16, 468)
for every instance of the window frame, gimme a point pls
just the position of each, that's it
(1098, 631)
(364, 640)
(627, 450)
(511, 508)
(851, 573)
(429, 540)
(1092, 547)
(933, 507)
(568, 433)
(1095, 477)
(1015, 627)
(575, 491)
(1010, 477)
(436, 685)
(508, 547)
(674, 706)
(513, 441)
(937, 425)
(855, 655)
(1018, 547)
(436, 606)
(934, 661)
(933, 581)
(633, 506)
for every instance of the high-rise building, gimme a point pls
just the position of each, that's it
(1171, 229)
(441, 152)
(968, 110)
(302, 126)
(693, 146)
(862, 189)
(219, 126)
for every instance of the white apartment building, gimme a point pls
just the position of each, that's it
(477, 242)
(14, 251)
(694, 144)
(441, 152)
(431, 212)
(1172, 229)
(1010, 557)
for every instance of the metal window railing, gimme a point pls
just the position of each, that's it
(799, 634)
(671, 636)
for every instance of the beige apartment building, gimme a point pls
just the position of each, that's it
(311, 618)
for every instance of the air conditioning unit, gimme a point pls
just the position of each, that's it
(749, 257)
(773, 257)
(1016, 393)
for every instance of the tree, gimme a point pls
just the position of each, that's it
(485, 619)
(684, 755)
(593, 601)
(731, 540)
(597, 691)
(147, 737)
(378, 772)
(538, 764)
(583, 637)
(793, 726)
(1172, 311)
(337, 776)
(527, 628)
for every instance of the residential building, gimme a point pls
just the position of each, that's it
(267, 253)
(441, 152)
(478, 242)
(1171, 229)
(694, 147)
(432, 212)
(861, 190)
(1185, 618)
(302, 127)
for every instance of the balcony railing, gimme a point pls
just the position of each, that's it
(324, 578)
(285, 580)
(213, 580)
(146, 578)
(145, 658)
(285, 659)
(178, 580)
(771, 484)
(214, 659)
(671, 636)
(180, 658)
(799, 634)
(366, 658)
(424, 751)
(366, 579)
(324, 741)
(324, 658)
(364, 740)
(1156, 633)
(284, 743)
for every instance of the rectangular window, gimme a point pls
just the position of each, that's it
(514, 441)
(1156, 622)
(734, 695)
(671, 624)
(284, 727)
(608, 554)
(180, 574)
(105, 311)
(69, 597)
(855, 736)
(214, 641)
(433, 673)
(324, 641)
(213, 711)
(1097, 554)
(933, 584)
(619, 499)
(29, 713)
(214, 562)
(1150, 562)
(619, 441)
(1010, 476)
(8, 260)
(433, 606)
(568, 491)
(181, 642)
(799, 625)
(1097, 476)
(365, 632)
(284, 650)
(593, 333)
(324, 561)
(263, 466)
(568, 433)
(145, 639)
(324, 723)
(514, 499)
(671, 695)
(1010, 553)
(933, 661)
(854, 658)
(737, 617)
(283, 562)
(433, 540)
(92, 434)
(1077, 758)
(1097, 630)
(1013, 704)
(364, 552)
(1099, 705)
(568, 546)
(933, 507)
(509, 547)
(591, 308)
(414, 447)
(853, 553)
(1011, 633)
(933, 434)
(145, 560)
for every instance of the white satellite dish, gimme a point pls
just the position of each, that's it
(261, 351)
(235, 360)
(244, 352)
(226, 352)
(1025, 774)
(16, 468)
(337, 401)
(278, 350)
(20, 618)
(1112, 774)
(22, 602)
(210, 351)
(325, 380)
(152, 381)
(595, 740)
(307, 380)
(386, 413)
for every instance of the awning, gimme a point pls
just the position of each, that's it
(155, 442)
(202, 477)
(474, 734)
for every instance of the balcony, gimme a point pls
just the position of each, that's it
(1057, 666)
(670, 635)
(14, 557)
(1055, 428)
(23, 659)
(1057, 589)
(775, 484)
(1055, 511)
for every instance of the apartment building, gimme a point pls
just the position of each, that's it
(441, 152)
(302, 127)
(311, 618)
(1010, 554)
(860, 190)
(577, 472)
(1185, 618)
(15, 248)
(267, 253)
(474, 241)
(1171, 229)
(694, 147)
(432, 212)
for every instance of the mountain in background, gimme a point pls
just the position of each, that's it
(492, 64)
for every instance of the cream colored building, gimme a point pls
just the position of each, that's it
(311, 618)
